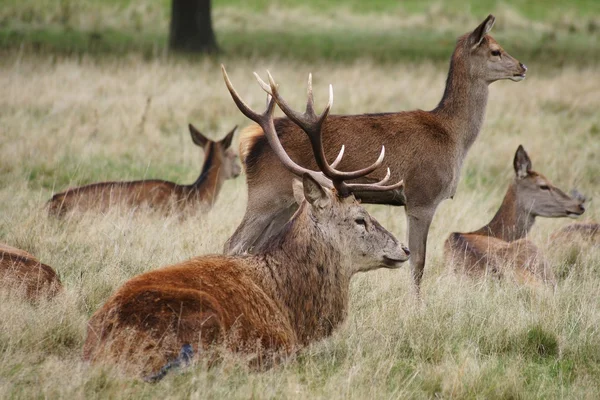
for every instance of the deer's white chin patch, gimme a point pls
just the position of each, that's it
(517, 78)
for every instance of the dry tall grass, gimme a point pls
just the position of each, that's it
(65, 122)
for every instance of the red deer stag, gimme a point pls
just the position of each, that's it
(293, 292)
(500, 247)
(425, 148)
(220, 163)
(22, 271)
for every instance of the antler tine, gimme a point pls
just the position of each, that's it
(309, 95)
(338, 159)
(243, 107)
(373, 187)
(265, 120)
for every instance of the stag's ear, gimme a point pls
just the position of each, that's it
(198, 138)
(226, 142)
(312, 191)
(476, 37)
(522, 163)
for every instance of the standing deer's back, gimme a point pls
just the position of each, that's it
(220, 163)
(500, 247)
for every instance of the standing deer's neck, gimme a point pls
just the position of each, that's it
(209, 183)
(309, 281)
(512, 221)
(463, 103)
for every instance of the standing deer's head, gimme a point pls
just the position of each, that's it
(538, 196)
(219, 153)
(327, 203)
(485, 58)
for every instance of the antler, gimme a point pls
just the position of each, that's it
(312, 125)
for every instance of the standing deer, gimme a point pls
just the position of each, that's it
(425, 148)
(21, 270)
(293, 292)
(500, 246)
(220, 163)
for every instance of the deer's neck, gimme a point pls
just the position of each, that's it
(512, 221)
(210, 180)
(307, 278)
(463, 104)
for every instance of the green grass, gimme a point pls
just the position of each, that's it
(571, 34)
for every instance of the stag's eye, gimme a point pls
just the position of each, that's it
(361, 221)
(544, 187)
(496, 53)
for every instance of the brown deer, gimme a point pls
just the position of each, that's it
(425, 148)
(293, 292)
(500, 247)
(22, 271)
(579, 232)
(220, 163)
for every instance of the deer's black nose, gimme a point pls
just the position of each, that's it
(406, 250)
(523, 66)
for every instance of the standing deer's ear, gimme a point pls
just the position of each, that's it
(312, 191)
(522, 163)
(198, 138)
(226, 142)
(476, 37)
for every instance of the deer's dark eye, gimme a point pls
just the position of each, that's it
(360, 221)
(496, 53)
(544, 187)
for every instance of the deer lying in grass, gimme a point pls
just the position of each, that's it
(500, 247)
(22, 271)
(425, 148)
(586, 232)
(579, 233)
(293, 292)
(220, 163)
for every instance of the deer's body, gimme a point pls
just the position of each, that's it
(22, 271)
(220, 163)
(293, 292)
(584, 232)
(500, 248)
(425, 148)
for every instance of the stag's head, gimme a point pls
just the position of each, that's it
(538, 196)
(220, 152)
(484, 58)
(326, 199)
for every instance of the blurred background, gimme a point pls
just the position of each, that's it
(554, 32)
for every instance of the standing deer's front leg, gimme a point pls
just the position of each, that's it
(418, 228)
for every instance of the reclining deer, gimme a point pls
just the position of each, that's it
(220, 163)
(293, 292)
(500, 248)
(22, 272)
(426, 149)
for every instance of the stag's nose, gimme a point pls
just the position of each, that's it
(523, 66)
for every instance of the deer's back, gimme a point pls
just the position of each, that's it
(583, 232)
(155, 194)
(207, 301)
(419, 149)
(21, 271)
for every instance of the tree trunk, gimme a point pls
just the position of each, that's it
(191, 27)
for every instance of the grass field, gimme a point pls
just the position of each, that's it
(69, 119)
